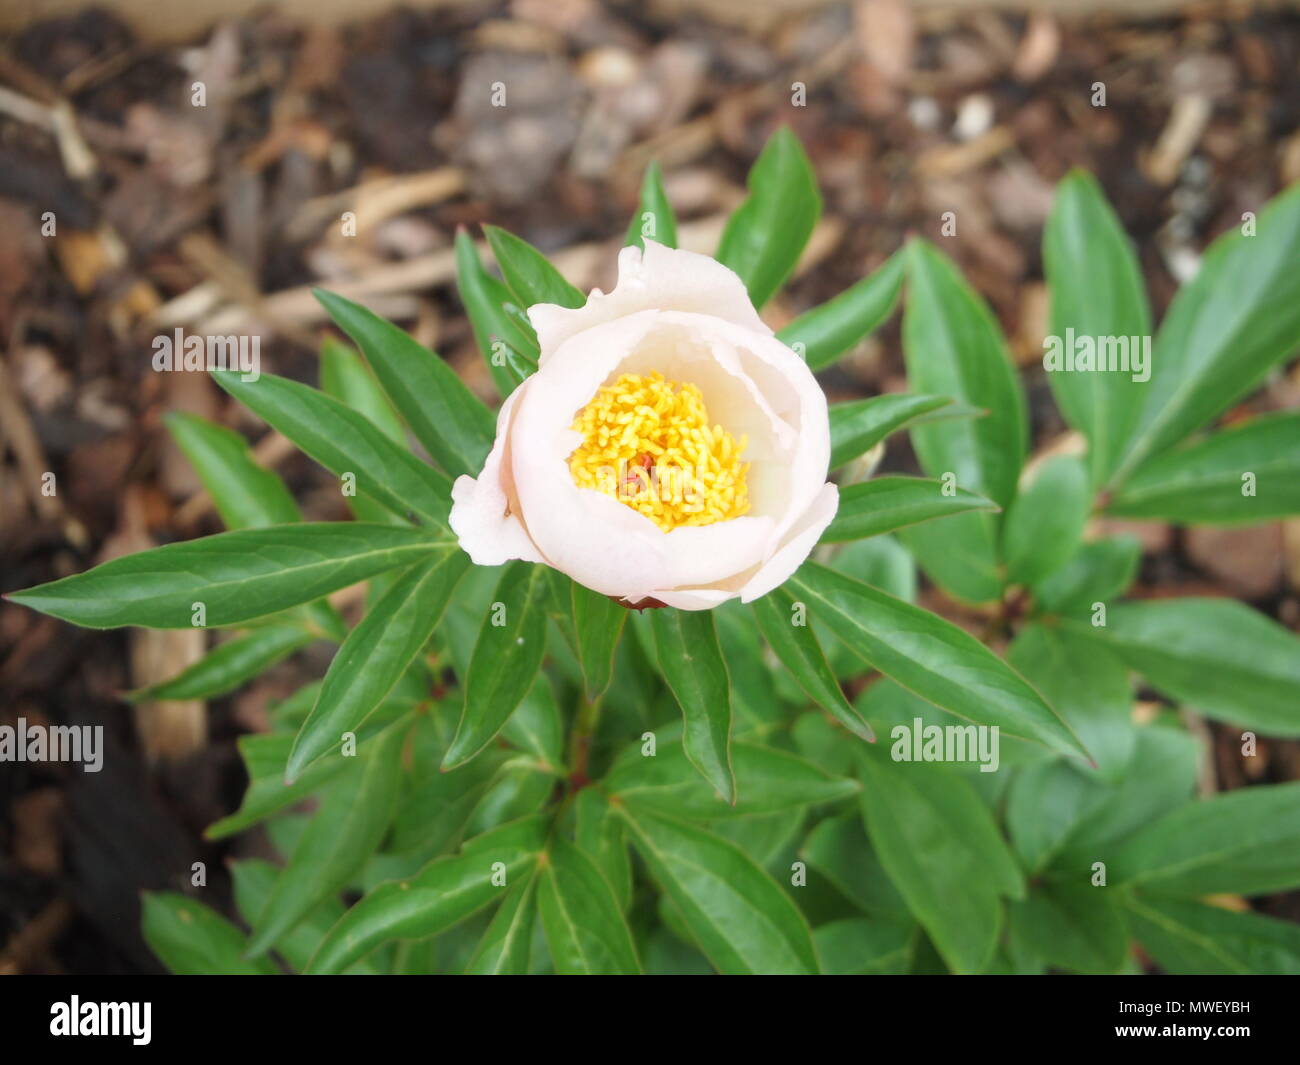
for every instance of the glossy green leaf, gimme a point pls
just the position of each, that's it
(529, 273)
(229, 664)
(1245, 841)
(603, 836)
(931, 657)
(449, 420)
(507, 656)
(341, 835)
(767, 780)
(245, 495)
(766, 234)
(440, 895)
(1095, 290)
(686, 644)
(597, 622)
(345, 442)
(237, 575)
(496, 331)
(796, 645)
(345, 376)
(1045, 521)
(1099, 572)
(738, 915)
(654, 218)
(193, 940)
(942, 849)
(376, 653)
(885, 504)
(858, 426)
(537, 725)
(855, 946)
(1046, 803)
(824, 333)
(960, 554)
(585, 929)
(1190, 938)
(1227, 327)
(1071, 926)
(1244, 474)
(506, 946)
(1089, 687)
(839, 850)
(264, 758)
(1217, 655)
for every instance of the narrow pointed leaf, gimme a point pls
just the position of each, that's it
(376, 653)
(860, 425)
(930, 657)
(797, 647)
(884, 504)
(766, 234)
(506, 946)
(691, 661)
(238, 575)
(585, 929)
(738, 915)
(1045, 521)
(191, 939)
(1190, 938)
(229, 664)
(345, 376)
(597, 622)
(828, 331)
(495, 329)
(529, 273)
(440, 895)
(449, 420)
(654, 216)
(507, 656)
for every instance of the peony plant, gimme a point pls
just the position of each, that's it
(613, 701)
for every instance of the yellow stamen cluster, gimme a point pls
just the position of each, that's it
(647, 442)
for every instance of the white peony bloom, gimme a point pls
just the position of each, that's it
(669, 447)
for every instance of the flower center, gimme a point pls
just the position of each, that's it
(646, 442)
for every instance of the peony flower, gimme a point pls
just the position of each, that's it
(669, 449)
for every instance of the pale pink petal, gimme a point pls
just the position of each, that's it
(798, 546)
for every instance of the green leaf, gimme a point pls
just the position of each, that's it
(342, 834)
(859, 426)
(376, 653)
(766, 234)
(738, 915)
(1246, 842)
(507, 656)
(505, 948)
(960, 555)
(345, 442)
(449, 420)
(598, 622)
(238, 575)
(585, 929)
(829, 330)
(797, 647)
(1070, 926)
(1247, 473)
(193, 940)
(931, 657)
(940, 846)
(1089, 687)
(1217, 655)
(1096, 291)
(1226, 328)
(686, 645)
(264, 758)
(855, 946)
(254, 881)
(529, 274)
(953, 347)
(839, 850)
(602, 835)
(440, 895)
(654, 217)
(1189, 938)
(245, 495)
(888, 503)
(1045, 521)
(769, 780)
(485, 299)
(229, 664)
(1046, 803)
(536, 725)
(346, 377)
(1099, 571)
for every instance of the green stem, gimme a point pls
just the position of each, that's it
(584, 728)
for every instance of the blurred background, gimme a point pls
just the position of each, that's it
(218, 219)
